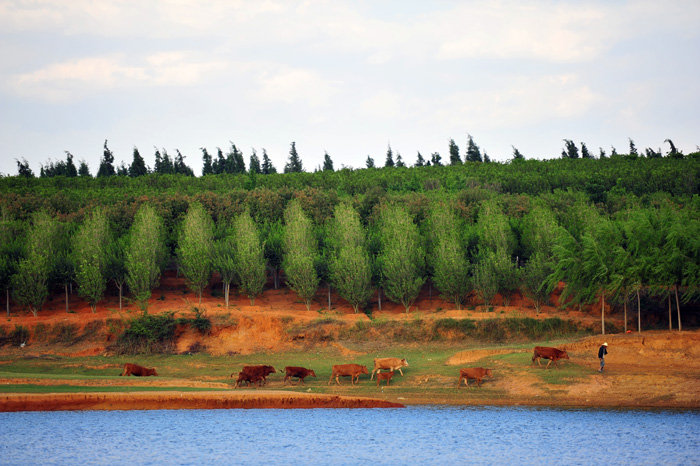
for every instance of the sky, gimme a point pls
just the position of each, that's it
(347, 77)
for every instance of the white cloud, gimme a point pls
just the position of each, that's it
(519, 101)
(293, 85)
(77, 78)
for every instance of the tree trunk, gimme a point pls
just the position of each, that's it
(226, 290)
(602, 313)
(93, 307)
(670, 318)
(121, 287)
(639, 313)
(275, 278)
(355, 306)
(379, 298)
(624, 306)
(200, 297)
(66, 288)
(678, 307)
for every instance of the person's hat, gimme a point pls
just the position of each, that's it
(605, 344)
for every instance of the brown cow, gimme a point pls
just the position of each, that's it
(477, 373)
(391, 364)
(248, 378)
(300, 372)
(384, 376)
(347, 370)
(139, 371)
(553, 354)
(254, 374)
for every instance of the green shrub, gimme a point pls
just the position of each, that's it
(148, 334)
(199, 322)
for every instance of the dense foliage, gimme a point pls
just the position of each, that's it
(610, 229)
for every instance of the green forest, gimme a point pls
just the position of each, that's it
(620, 231)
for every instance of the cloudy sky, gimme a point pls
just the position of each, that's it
(347, 77)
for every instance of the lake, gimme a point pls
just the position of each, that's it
(418, 435)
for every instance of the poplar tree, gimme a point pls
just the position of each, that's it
(30, 283)
(300, 253)
(350, 265)
(11, 238)
(539, 230)
(144, 254)
(250, 263)
(194, 248)
(447, 256)
(90, 247)
(402, 259)
(224, 258)
(116, 264)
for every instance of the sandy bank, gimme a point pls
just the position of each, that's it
(183, 400)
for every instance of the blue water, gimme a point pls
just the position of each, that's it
(416, 435)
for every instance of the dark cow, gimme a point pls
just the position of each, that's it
(476, 373)
(300, 372)
(248, 378)
(384, 376)
(254, 374)
(347, 370)
(139, 371)
(391, 364)
(553, 354)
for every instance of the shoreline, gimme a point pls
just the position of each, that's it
(183, 400)
(107, 401)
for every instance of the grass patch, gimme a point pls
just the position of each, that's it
(566, 374)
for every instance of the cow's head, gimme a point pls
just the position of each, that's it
(489, 373)
(312, 373)
(363, 370)
(564, 355)
(151, 372)
(404, 362)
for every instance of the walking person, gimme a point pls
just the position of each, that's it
(602, 351)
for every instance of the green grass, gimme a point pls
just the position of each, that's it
(427, 375)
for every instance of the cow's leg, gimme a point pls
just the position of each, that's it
(301, 379)
(550, 362)
(371, 377)
(329, 380)
(400, 372)
(336, 379)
